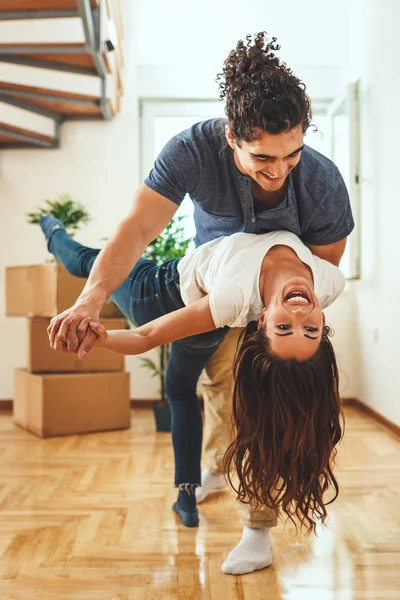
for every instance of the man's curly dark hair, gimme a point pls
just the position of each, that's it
(261, 92)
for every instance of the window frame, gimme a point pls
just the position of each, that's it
(350, 97)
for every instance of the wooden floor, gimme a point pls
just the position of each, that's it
(89, 518)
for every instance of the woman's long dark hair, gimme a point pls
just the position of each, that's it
(287, 420)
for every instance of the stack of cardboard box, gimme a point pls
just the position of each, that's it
(59, 394)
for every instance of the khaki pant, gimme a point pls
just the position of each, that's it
(217, 391)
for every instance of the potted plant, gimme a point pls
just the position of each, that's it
(71, 214)
(170, 244)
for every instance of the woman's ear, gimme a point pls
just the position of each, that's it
(229, 137)
(261, 318)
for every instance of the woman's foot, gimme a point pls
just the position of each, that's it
(49, 225)
(252, 553)
(185, 507)
(210, 482)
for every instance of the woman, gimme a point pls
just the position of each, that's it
(286, 403)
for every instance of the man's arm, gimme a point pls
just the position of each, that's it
(330, 252)
(150, 214)
(190, 320)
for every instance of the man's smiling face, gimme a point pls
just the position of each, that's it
(269, 158)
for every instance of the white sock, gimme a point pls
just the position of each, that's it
(209, 482)
(252, 553)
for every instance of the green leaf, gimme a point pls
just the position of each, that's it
(170, 244)
(72, 214)
(150, 364)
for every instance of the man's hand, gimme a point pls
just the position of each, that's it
(70, 331)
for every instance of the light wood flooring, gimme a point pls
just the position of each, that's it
(89, 518)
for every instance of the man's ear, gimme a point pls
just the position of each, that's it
(229, 137)
(261, 318)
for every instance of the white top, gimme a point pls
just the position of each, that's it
(228, 270)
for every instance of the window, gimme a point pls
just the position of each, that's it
(160, 121)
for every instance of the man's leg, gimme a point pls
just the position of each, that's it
(217, 391)
(254, 549)
(260, 517)
(253, 552)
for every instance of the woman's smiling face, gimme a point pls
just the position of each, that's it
(293, 320)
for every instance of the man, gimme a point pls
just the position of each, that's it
(251, 173)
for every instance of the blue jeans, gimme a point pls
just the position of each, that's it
(149, 292)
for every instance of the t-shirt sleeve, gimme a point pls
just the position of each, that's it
(334, 219)
(227, 305)
(331, 281)
(176, 170)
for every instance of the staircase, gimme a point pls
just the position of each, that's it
(59, 60)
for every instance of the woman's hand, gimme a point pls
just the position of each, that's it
(122, 341)
(184, 322)
(100, 330)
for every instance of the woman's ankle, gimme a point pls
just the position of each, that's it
(187, 497)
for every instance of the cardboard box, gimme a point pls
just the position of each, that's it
(42, 359)
(59, 404)
(45, 291)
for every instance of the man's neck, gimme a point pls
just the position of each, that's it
(264, 199)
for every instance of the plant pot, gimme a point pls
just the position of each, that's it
(162, 415)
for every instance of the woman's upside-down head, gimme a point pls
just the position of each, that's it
(287, 420)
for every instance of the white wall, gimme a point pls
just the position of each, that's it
(166, 81)
(98, 165)
(311, 33)
(340, 317)
(376, 296)
(182, 45)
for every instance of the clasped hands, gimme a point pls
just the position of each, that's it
(75, 332)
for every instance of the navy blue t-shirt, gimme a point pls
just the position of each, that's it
(199, 162)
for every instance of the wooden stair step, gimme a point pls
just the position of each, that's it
(80, 62)
(31, 5)
(64, 104)
(55, 81)
(25, 90)
(77, 60)
(60, 31)
(17, 136)
(69, 48)
(66, 107)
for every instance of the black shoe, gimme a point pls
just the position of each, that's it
(188, 519)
